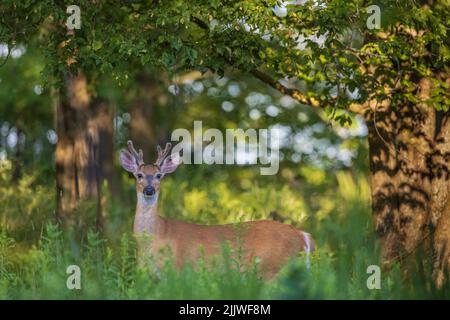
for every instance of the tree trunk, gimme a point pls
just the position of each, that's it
(104, 121)
(77, 151)
(18, 158)
(146, 107)
(410, 164)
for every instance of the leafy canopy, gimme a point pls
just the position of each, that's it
(251, 36)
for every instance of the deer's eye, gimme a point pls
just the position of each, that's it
(158, 176)
(140, 176)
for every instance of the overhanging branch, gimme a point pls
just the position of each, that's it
(294, 93)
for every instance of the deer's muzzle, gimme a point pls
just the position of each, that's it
(148, 191)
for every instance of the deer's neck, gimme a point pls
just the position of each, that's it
(147, 218)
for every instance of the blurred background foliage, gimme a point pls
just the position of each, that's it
(321, 187)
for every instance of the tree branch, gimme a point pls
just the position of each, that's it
(294, 93)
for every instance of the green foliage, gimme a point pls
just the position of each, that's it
(338, 218)
(219, 204)
(212, 35)
(25, 206)
(6, 247)
(119, 39)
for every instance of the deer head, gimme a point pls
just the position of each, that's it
(148, 176)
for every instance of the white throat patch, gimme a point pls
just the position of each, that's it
(147, 202)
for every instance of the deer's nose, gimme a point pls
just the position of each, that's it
(149, 191)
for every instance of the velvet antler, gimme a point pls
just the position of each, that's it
(162, 154)
(139, 156)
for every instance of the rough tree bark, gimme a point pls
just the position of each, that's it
(409, 150)
(410, 166)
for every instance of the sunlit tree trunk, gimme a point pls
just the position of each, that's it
(410, 167)
(77, 150)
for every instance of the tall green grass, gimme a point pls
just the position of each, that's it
(35, 252)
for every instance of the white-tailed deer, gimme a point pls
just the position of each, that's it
(273, 242)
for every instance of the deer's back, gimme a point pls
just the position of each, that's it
(273, 242)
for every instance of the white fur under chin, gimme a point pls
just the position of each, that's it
(147, 202)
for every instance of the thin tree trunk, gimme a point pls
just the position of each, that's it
(18, 158)
(148, 126)
(104, 120)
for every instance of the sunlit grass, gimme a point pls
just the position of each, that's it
(33, 265)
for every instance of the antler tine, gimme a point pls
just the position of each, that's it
(162, 154)
(138, 156)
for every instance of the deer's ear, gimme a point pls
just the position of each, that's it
(128, 162)
(171, 163)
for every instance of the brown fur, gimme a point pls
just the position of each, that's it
(272, 242)
(148, 170)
